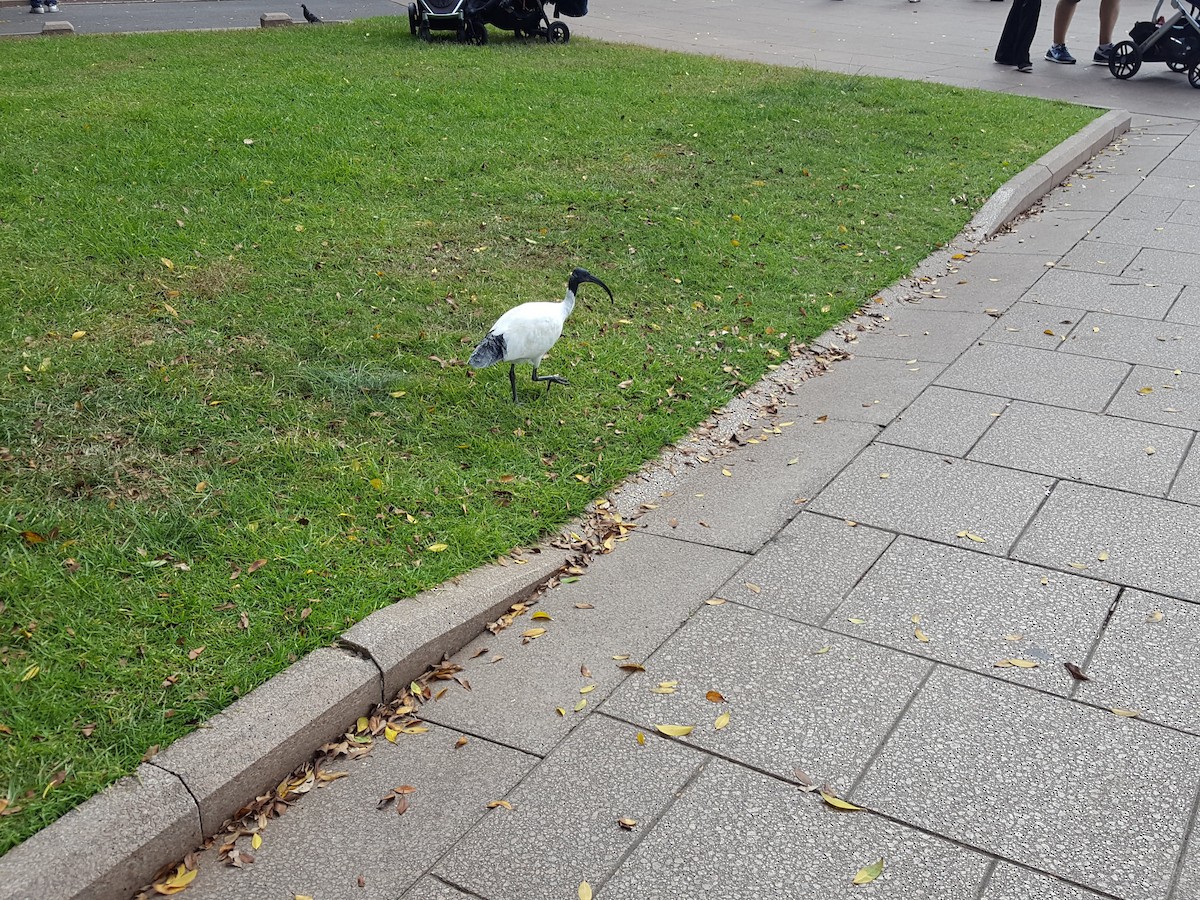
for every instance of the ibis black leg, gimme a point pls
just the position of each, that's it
(512, 379)
(549, 379)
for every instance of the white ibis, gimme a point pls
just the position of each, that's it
(527, 332)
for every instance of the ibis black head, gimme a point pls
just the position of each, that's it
(579, 276)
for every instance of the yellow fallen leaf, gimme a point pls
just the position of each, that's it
(1145, 390)
(541, 614)
(390, 733)
(1156, 616)
(641, 738)
(821, 650)
(166, 262)
(715, 601)
(585, 891)
(560, 710)
(182, 877)
(853, 620)
(587, 689)
(1126, 713)
(722, 721)
(398, 393)
(78, 334)
(256, 841)
(627, 823)
(1103, 556)
(1077, 565)
(838, 803)
(1016, 663)
(533, 633)
(437, 548)
(753, 588)
(675, 730)
(580, 705)
(362, 724)
(503, 804)
(920, 636)
(916, 619)
(726, 473)
(31, 672)
(377, 483)
(867, 874)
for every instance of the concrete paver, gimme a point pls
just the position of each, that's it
(754, 838)
(1104, 292)
(1153, 264)
(1187, 307)
(744, 509)
(635, 599)
(935, 497)
(1167, 345)
(1147, 543)
(1099, 257)
(790, 702)
(1186, 488)
(944, 421)
(975, 611)
(809, 566)
(432, 889)
(1041, 325)
(563, 828)
(1026, 793)
(1161, 396)
(1011, 882)
(1146, 661)
(1081, 446)
(324, 844)
(922, 334)
(1037, 375)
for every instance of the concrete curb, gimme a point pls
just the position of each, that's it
(1022, 191)
(115, 842)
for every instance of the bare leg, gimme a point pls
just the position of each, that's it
(512, 379)
(1064, 11)
(1109, 10)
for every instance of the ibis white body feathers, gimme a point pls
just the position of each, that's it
(526, 333)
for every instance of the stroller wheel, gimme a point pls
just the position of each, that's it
(412, 18)
(1194, 76)
(423, 31)
(1176, 66)
(476, 32)
(1125, 60)
(558, 33)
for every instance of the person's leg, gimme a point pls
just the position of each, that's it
(1109, 10)
(1064, 11)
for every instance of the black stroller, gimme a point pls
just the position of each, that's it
(1174, 41)
(468, 18)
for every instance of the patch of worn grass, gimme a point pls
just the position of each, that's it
(240, 273)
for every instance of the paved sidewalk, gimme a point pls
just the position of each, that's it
(1006, 472)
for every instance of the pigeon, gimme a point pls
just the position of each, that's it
(310, 16)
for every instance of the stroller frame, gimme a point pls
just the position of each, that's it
(469, 18)
(1164, 43)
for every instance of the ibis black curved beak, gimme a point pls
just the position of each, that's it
(579, 276)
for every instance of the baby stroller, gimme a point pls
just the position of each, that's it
(1174, 41)
(468, 18)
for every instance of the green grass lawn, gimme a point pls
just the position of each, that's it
(240, 273)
